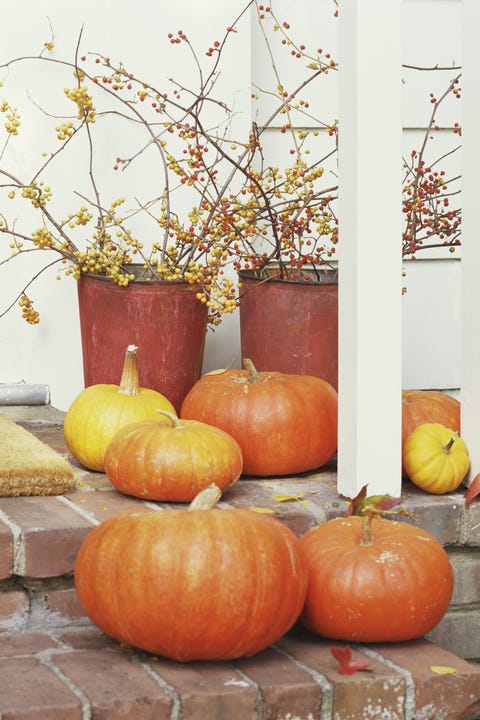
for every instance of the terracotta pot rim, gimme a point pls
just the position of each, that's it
(324, 277)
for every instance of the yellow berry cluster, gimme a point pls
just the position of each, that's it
(81, 217)
(42, 238)
(220, 299)
(12, 118)
(28, 312)
(84, 102)
(39, 194)
(65, 130)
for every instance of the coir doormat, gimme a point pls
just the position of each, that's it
(28, 466)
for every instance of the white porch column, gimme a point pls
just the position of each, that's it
(470, 296)
(370, 247)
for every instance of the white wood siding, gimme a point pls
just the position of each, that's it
(470, 295)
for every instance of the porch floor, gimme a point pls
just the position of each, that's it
(54, 665)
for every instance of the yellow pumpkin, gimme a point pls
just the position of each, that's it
(435, 458)
(100, 411)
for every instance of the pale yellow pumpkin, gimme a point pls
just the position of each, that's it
(100, 411)
(435, 458)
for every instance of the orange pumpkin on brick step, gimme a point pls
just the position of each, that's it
(374, 580)
(201, 583)
(172, 460)
(283, 423)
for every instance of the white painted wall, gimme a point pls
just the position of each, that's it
(431, 306)
(50, 352)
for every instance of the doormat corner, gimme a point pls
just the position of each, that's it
(28, 466)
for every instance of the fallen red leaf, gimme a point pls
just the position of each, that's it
(347, 666)
(473, 490)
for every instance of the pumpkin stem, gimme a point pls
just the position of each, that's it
(206, 499)
(446, 448)
(129, 379)
(253, 375)
(171, 416)
(367, 537)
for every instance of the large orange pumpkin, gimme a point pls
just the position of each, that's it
(283, 423)
(199, 584)
(389, 583)
(428, 406)
(172, 459)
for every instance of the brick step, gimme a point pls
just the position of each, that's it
(32, 605)
(81, 675)
(74, 671)
(40, 536)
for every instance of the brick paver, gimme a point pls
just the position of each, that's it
(284, 687)
(113, 685)
(207, 690)
(437, 697)
(48, 535)
(381, 690)
(29, 689)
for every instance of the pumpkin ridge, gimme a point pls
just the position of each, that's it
(184, 647)
(241, 645)
(244, 586)
(281, 612)
(311, 409)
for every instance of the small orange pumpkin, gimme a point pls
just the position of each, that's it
(172, 459)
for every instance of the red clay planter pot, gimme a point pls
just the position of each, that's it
(164, 319)
(290, 326)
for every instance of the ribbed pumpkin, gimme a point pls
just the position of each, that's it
(172, 459)
(435, 458)
(428, 406)
(283, 423)
(197, 584)
(374, 580)
(99, 411)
